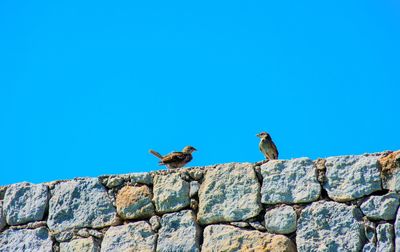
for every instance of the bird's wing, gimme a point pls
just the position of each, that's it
(275, 149)
(174, 157)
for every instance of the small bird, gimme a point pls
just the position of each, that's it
(176, 159)
(267, 146)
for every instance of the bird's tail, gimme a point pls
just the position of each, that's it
(155, 153)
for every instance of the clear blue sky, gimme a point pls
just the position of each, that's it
(87, 87)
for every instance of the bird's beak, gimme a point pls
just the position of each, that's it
(194, 149)
(258, 135)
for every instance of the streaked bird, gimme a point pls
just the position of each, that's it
(267, 146)
(176, 159)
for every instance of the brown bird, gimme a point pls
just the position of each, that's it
(176, 159)
(267, 146)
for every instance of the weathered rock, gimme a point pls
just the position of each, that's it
(2, 216)
(3, 190)
(141, 178)
(228, 238)
(64, 236)
(171, 193)
(369, 247)
(385, 237)
(194, 188)
(240, 224)
(381, 207)
(351, 177)
(369, 230)
(26, 240)
(329, 226)
(179, 232)
(25, 202)
(230, 192)
(397, 231)
(289, 181)
(134, 202)
(80, 203)
(281, 220)
(136, 236)
(85, 233)
(80, 245)
(257, 225)
(155, 222)
(391, 171)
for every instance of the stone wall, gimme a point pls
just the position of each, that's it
(345, 203)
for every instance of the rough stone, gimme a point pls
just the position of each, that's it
(289, 181)
(194, 188)
(381, 207)
(64, 236)
(385, 237)
(80, 203)
(329, 226)
(179, 232)
(369, 230)
(136, 236)
(257, 225)
(397, 231)
(351, 177)
(80, 245)
(228, 238)
(26, 240)
(240, 224)
(134, 202)
(171, 193)
(155, 222)
(229, 192)
(194, 204)
(391, 171)
(141, 178)
(2, 217)
(281, 220)
(25, 202)
(369, 247)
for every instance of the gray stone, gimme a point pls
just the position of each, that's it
(134, 202)
(171, 193)
(80, 245)
(229, 192)
(141, 178)
(281, 220)
(351, 177)
(385, 237)
(397, 231)
(257, 225)
(369, 247)
(136, 236)
(26, 240)
(80, 203)
(289, 181)
(240, 224)
(2, 216)
(64, 236)
(369, 230)
(85, 233)
(155, 222)
(329, 226)
(228, 238)
(25, 202)
(194, 188)
(179, 232)
(381, 207)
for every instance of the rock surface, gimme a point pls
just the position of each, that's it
(385, 235)
(351, 177)
(329, 226)
(381, 207)
(2, 216)
(229, 192)
(194, 188)
(391, 171)
(134, 202)
(179, 232)
(228, 238)
(25, 202)
(171, 193)
(397, 231)
(289, 181)
(26, 240)
(369, 247)
(281, 220)
(80, 245)
(136, 236)
(80, 203)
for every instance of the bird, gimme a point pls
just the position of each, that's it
(176, 159)
(267, 146)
